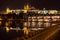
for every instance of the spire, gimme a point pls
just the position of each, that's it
(27, 7)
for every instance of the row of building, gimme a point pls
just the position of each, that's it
(44, 11)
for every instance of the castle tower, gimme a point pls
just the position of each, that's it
(27, 7)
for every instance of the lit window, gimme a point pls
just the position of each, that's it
(25, 23)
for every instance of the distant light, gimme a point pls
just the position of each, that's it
(25, 24)
(8, 11)
(0, 22)
(7, 29)
(25, 11)
(0, 18)
(11, 28)
(7, 24)
(26, 31)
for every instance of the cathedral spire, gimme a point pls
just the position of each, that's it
(26, 7)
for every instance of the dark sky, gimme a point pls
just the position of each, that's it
(39, 4)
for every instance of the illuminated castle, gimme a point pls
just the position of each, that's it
(28, 8)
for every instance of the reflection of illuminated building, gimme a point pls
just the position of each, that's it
(40, 21)
(39, 24)
(47, 24)
(25, 23)
(1, 18)
(33, 24)
(0, 22)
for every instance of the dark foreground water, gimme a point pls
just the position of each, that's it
(10, 35)
(58, 36)
(14, 34)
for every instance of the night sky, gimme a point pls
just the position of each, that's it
(38, 4)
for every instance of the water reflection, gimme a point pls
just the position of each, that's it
(39, 24)
(40, 21)
(0, 22)
(47, 24)
(33, 24)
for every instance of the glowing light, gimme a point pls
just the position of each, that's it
(7, 24)
(8, 11)
(26, 7)
(33, 24)
(25, 24)
(11, 28)
(53, 11)
(26, 31)
(0, 22)
(0, 18)
(10, 19)
(25, 11)
(7, 29)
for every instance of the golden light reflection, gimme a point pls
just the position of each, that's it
(7, 24)
(0, 18)
(55, 17)
(34, 19)
(46, 24)
(25, 23)
(39, 24)
(29, 24)
(40, 19)
(0, 22)
(54, 20)
(10, 19)
(26, 7)
(8, 11)
(46, 19)
(26, 31)
(7, 29)
(33, 24)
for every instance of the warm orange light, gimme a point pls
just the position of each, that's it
(0, 22)
(10, 19)
(8, 11)
(0, 18)
(7, 29)
(6, 24)
(25, 24)
(26, 7)
(26, 31)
